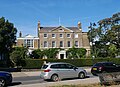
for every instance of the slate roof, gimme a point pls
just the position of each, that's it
(46, 29)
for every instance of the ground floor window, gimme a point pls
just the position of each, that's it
(28, 42)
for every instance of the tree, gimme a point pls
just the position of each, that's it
(37, 54)
(51, 53)
(18, 55)
(107, 32)
(7, 39)
(76, 52)
(112, 50)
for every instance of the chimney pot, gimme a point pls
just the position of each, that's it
(20, 34)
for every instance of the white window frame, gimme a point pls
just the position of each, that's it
(77, 44)
(69, 36)
(60, 35)
(54, 44)
(45, 44)
(29, 43)
(62, 44)
(68, 45)
(46, 35)
(54, 35)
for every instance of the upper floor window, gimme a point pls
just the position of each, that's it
(61, 43)
(68, 35)
(28, 43)
(68, 43)
(45, 44)
(76, 35)
(76, 43)
(53, 43)
(53, 35)
(45, 35)
(61, 35)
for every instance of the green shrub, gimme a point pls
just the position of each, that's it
(33, 63)
(37, 63)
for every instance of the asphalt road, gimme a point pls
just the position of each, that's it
(28, 80)
(35, 79)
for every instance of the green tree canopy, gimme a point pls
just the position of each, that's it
(18, 55)
(51, 53)
(7, 38)
(37, 54)
(106, 32)
(76, 52)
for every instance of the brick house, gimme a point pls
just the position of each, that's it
(28, 41)
(57, 37)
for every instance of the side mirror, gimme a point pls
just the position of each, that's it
(75, 68)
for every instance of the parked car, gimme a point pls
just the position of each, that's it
(104, 67)
(58, 71)
(5, 78)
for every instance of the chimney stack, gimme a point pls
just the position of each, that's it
(38, 29)
(38, 24)
(79, 26)
(20, 34)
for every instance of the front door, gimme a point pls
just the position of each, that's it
(61, 56)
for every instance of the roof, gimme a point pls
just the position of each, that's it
(47, 29)
(28, 36)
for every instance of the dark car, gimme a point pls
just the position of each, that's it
(104, 67)
(5, 78)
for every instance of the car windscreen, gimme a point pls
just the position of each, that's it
(98, 64)
(44, 66)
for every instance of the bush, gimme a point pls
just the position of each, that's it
(33, 63)
(37, 63)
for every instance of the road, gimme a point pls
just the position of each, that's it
(36, 82)
(35, 79)
(28, 79)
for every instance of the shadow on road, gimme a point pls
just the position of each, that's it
(15, 83)
(68, 79)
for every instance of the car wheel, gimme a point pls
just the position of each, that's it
(2, 82)
(81, 75)
(55, 78)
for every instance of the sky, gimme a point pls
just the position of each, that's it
(25, 14)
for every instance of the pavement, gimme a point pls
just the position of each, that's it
(48, 84)
(60, 83)
(24, 74)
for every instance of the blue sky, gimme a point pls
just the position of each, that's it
(25, 14)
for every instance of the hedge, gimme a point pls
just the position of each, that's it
(37, 63)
